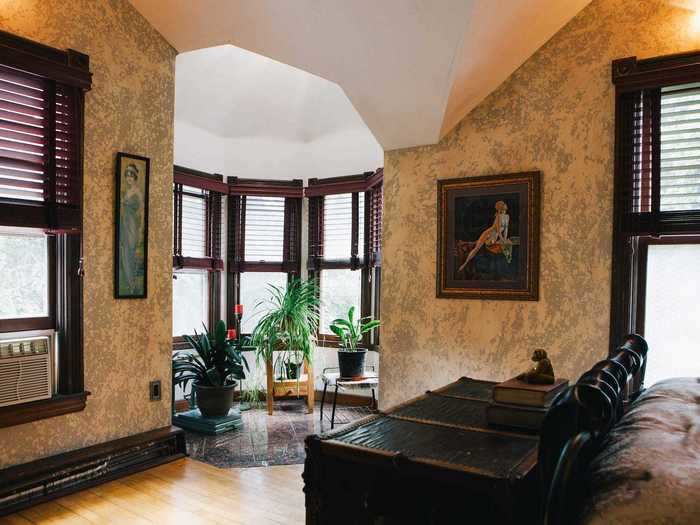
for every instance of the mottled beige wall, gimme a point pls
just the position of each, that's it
(130, 108)
(554, 114)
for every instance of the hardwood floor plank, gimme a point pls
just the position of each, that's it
(14, 519)
(184, 492)
(52, 513)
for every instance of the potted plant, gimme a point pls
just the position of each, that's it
(289, 325)
(213, 369)
(351, 357)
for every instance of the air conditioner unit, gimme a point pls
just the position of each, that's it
(25, 367)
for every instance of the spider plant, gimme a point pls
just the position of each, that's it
(290, 322)
(351, 330)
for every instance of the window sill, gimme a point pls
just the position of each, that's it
(58, 405)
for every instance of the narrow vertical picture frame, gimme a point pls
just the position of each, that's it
(131, 227)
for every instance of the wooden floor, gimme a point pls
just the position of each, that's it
(185, 491)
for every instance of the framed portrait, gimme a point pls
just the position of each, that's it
(488, 237)
(131, 228)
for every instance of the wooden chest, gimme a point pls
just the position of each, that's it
(432, 460)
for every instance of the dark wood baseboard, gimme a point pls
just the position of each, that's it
(22, 486)
(343, 399)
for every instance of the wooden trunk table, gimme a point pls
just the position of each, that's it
(432, 460)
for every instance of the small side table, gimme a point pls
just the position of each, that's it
(331, 376)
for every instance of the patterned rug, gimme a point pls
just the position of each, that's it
(265, 440)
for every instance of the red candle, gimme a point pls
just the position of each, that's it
(238, 309)
(231, 334)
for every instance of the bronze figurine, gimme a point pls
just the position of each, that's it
(540, 374)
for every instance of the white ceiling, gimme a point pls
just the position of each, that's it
(412, 68)
(242, 114)
(234, 93)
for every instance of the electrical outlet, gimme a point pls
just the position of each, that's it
(154, 390)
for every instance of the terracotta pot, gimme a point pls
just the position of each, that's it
(214, 401)
(352, 363)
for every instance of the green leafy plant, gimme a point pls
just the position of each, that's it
(216, 360)
(290, 322)
(350, 331)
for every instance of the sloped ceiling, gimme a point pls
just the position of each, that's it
(411, 68)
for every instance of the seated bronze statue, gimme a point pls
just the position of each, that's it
(540, 374)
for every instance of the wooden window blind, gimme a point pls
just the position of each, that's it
(679, 164)
(264, 227)
(197, 223)
(345, 216)
(40, 171)
(375, 205)
(657, 151)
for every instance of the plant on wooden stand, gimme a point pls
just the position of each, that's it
(350, 331)
(213, 369)
(289, 324)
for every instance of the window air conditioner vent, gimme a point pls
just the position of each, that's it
(25, 369)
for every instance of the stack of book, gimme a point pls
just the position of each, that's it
(522, 405)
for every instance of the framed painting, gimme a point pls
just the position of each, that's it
(131, 228)
(488, 237)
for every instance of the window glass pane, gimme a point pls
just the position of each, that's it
(190, 302)
(680, 148)
(254, 289)
(672, 310)
(264, 228)
(340, 289)
(337, 226)
(24, 276)
(194, 221)
(361, 225)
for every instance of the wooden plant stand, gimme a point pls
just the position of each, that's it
(288, 387)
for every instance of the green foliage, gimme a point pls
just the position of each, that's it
(290, 323)
(350, 331)
(216, 361)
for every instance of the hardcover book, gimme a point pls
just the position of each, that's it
(517, 392)
(515, 416)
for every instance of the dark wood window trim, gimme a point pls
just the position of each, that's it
(45, 408)
(635, 229)
(67, 73)
(369, 264)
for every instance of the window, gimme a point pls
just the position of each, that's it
(344, 247)
(340, 289)
(656, 239)
(671, 309)
(41, 129)
(264, 241)
(24, 276)
(190, 302)
(254, 292)
(197, 257)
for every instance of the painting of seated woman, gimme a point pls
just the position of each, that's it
(488, 237)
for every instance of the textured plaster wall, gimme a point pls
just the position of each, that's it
(130, 108)
(554, 114)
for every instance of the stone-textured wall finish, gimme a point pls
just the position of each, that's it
(554, 114)
(130, 109)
